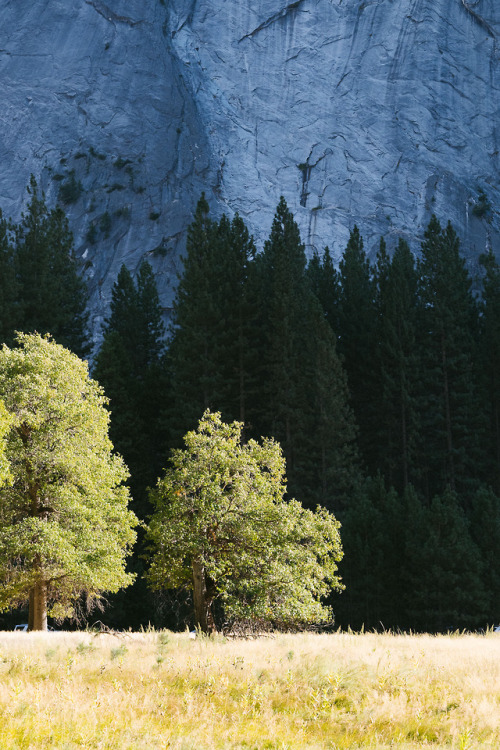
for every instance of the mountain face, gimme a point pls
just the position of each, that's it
(378, 113)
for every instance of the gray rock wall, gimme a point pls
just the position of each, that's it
(376, 113)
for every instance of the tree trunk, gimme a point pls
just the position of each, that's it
(37, 619)
(202, 601)
(31, 609)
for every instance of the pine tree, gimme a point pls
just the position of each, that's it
(442, 567)
(490, 361)
(357, 341)
(53, 294)
(485, 533)
(211, 352)
(397, 365)
(283, 305)
(303, 401)
(373, 532)
(452, 434)
(327, 465)
(130, 368)
(9, 292)
(193, 322)
(324, 281)
(234, 354)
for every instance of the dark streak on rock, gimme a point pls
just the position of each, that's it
(291, 7)
(479, 20)
(109, 15)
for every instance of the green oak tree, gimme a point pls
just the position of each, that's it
(65, 526)
(5, 425)
(222, 529)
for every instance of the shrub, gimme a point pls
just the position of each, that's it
(71, 189)
(482, 206)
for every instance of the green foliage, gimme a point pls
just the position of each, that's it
(5, 426)
(212, 322)
(373, 535)
(105, 223)
(221, 527)
(96, 154)
(453, 426)
(397, 363)
(119, 163)
(324, 281)
(442, 567)
(71, 189)
(490, 362)
(482, 206)
(10, 302)
(65, 529)
(115, 186)
(52, 294)
(129, 367)
(91, 235)
(357, 339)
(302, 400)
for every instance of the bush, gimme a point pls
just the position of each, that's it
(70, 190)
(482, 206)
(105, 224)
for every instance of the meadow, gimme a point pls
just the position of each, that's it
(165, 690)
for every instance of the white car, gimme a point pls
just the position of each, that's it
(23, 627)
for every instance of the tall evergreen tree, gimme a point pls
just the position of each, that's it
(357, 341)
(234, 304)
(397, 365)
(193, 323)
(324, 281)
(52, 292)
(442, 566)
(303, 401)
(10, 312)
(130, 368)
(452, 434)
(490, 361)
(210, 351)
(283, 306)
(373, 534)
(485, 533)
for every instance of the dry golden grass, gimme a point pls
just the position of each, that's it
(163, 690)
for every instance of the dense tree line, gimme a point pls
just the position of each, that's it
(379, 379)
(418, 351)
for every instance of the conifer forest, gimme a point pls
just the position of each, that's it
(379, 379)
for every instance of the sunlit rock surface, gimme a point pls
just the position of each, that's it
(376, 113)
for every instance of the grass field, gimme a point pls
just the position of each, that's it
(164, 690)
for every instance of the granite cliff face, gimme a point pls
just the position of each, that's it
(376, 113)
